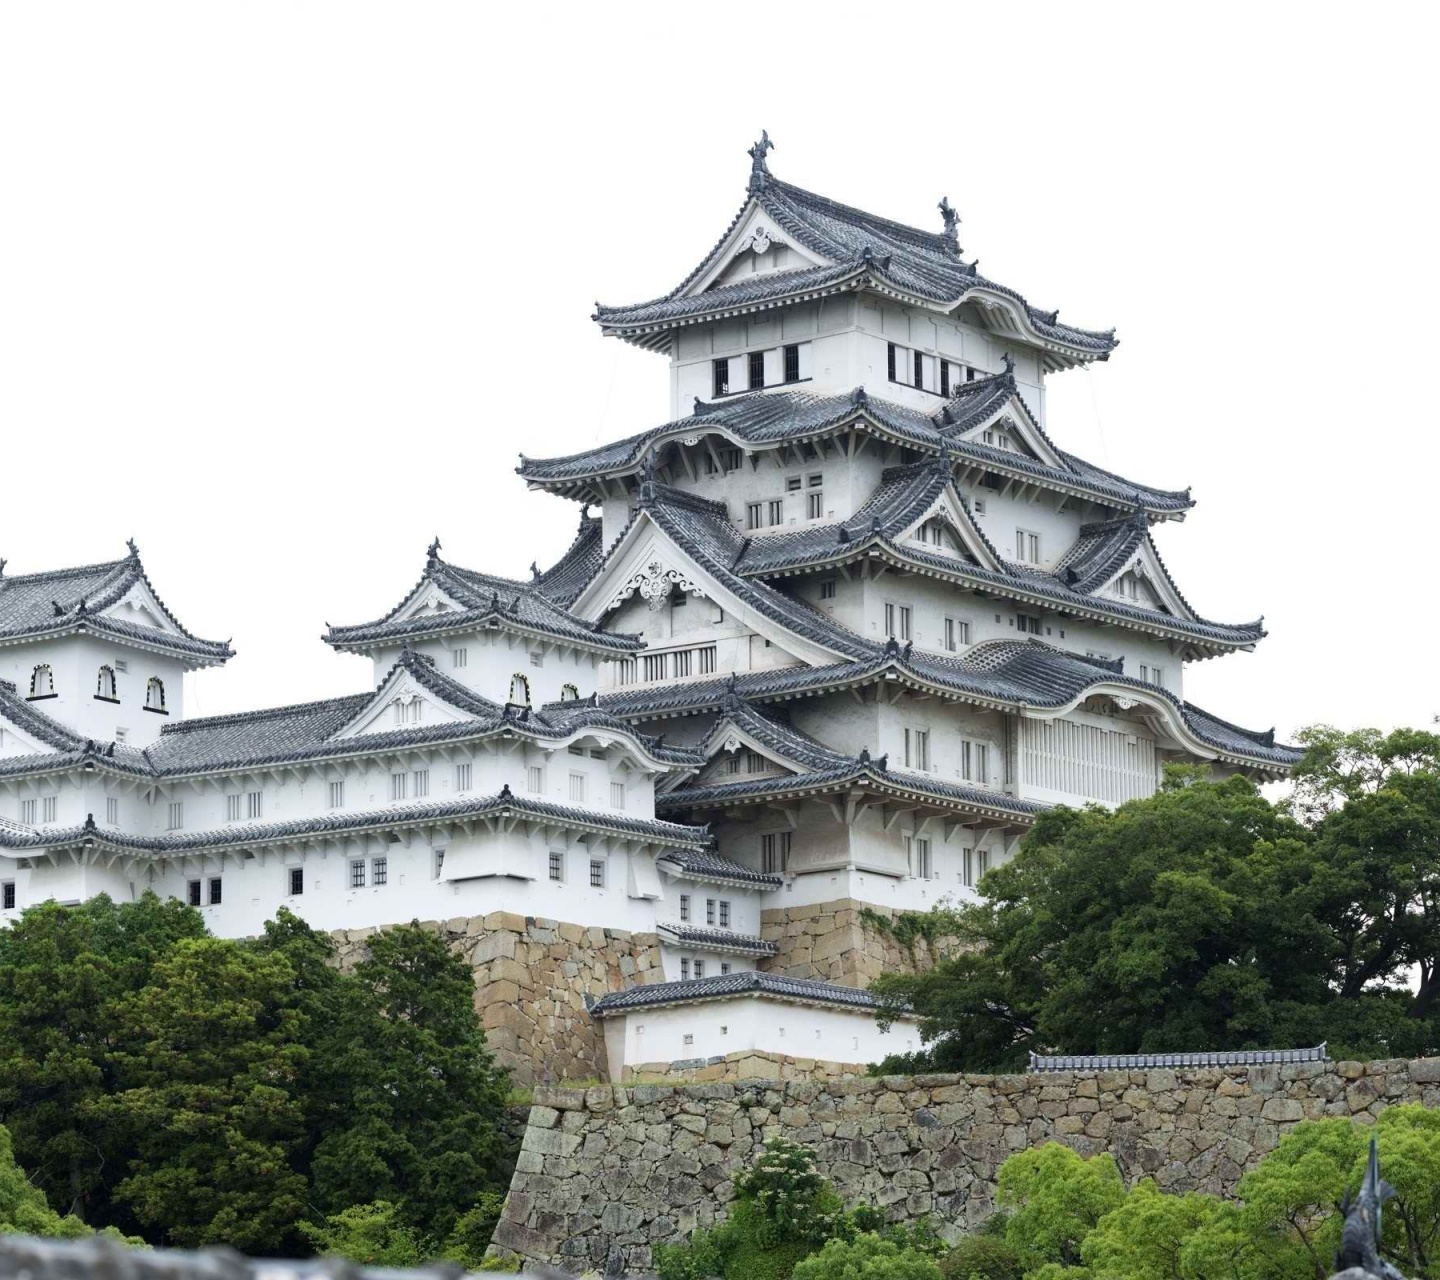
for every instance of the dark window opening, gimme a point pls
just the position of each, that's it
(945, 378)
(757, 370)
(297, 881)
(7, 895)
(890, 359)
(722, 377)
(193, 893)
(792, 364)
(215, 891)
(919, 370)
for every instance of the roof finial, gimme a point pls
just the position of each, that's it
(952, 223)
(3, 563)
(647, 476)
(134, 550)
(432, 552)
(1009, 364)
(759, 171)
(534, 572)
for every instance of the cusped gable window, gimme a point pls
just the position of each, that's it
(569, 693)
(155, 696)
(519, 690)
(105, 685)
(408, 709)
(42, 682)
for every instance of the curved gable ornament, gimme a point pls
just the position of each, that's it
(654, 583)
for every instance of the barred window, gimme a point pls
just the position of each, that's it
(177, 815)
(193, 890)
(720, 377)
(297, 881)
(724, 914)
(379, 870)
(617, 795)
(337, 794)
(422, 783)
(232, 808)
(214, 891)
(707, 660)
(775, 852)
(254, 804)
(399, 785)
(684, 908)
(557, 865)
(47, 808)
(792, 363)
(357, 873)
(112, 811)
(7, 896)
(464, 777)
(535, 779)
(577, 788)
(757, 370)
(597, 873)
(710, 911)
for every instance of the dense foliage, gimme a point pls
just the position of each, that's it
(197, 1090)
(783, 1214)
(1069, 1218)
(1206, 917)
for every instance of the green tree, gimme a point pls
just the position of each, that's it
(62, 970)
(412, 1110)
(205, 1060)
(1055, 1198)
(371, 1234)
(1204, 917)
(867, 1257)
(1144, 1237)
(23, 1208)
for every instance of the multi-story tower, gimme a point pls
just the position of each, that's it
(839, 630)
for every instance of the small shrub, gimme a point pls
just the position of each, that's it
(985, 1256)
(867, 1257)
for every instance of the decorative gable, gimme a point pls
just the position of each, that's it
(756, 246)
(138, 607)
(948, 527)
(1012, 430)
(15, 741)
(402, 703)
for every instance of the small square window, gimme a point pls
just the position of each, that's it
(827, 590)
(537, 659)
(724, 968)
(297, 881)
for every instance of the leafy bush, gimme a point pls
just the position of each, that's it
(983, 1257)
(371, 1234)
(23, 1210)
(1056, 1198)
(867, 1257)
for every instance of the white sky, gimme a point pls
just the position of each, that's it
(284, 288)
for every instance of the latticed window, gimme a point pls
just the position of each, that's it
(724, 914)
(757, 370)
(792, 363)
(337, 795)
(357, 873)
(297, 881)
(557, 865)
(597, 874)
(464, 777)
(379, 870)
(720, 378)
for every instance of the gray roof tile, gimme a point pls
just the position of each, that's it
(1041, 1064)
(751, 982)
(707, 864)
(715, 939)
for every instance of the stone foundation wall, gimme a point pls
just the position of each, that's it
(747, 1064)
(832, 942)
(531, 979)
(607, 1173)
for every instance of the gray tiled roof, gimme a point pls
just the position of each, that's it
(63, 600)
(1141, 1061)
(243, 834)
(864, 250)
(903, 496)
(707, 864)
(485, 600)
(716, 939)
(750, 982)
(290, 734)
(767, 418)
(573, 572)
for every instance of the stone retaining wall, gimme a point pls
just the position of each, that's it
(531, 979)
(746, 1064)
(832, 942)
(606, 1173)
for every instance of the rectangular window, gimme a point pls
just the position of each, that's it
(754, 515)
(957, 633)
(684, 908)
(984, 861)
(357, 873)
(975, 762)
(919, 370)
(682, 663)
(890, 361)
(597, 873)
(777, 512)
(889, 619)
(535, 780)
(254, 804)
(422, 783)
(757, 370)
(656, 666)
(905, 629)
(720, 378)
(732, 765)
(557, 866)
(176, 818)
(464, 777)
(945, 378)
(1027, 546)
(577, 788)
(232, 808)
(459, 658)
(793, 484)
(730, 458)
(724, 969)
(917, 749)
(724, 914)
(379, 870)
(792, 363)
(775, 852)
(193, 893)
(47, 808)
(122, 735)
(685, 973)
(827, 590)
(699, 973)
(710, 911)
(814, 504)
(112, 811)
(7, 896)
(754, 762)
(121, 666)
(917, 857)
(214, 891)
(27, 812)
(399, 785)
(967, 864)
(625, 671)
(296, 876)
(707, 660)
(337, 795)
(1027, 624)
(439, 862)
(617, 795)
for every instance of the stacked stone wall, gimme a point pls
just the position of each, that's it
(607, 1173)
(531, 979)
(834, 942)
(746, 1064)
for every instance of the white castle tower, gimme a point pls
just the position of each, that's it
(839, 631)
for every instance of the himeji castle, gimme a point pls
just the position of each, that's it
(827, 640)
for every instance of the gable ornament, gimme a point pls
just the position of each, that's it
(654, 583)
(760, 241)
